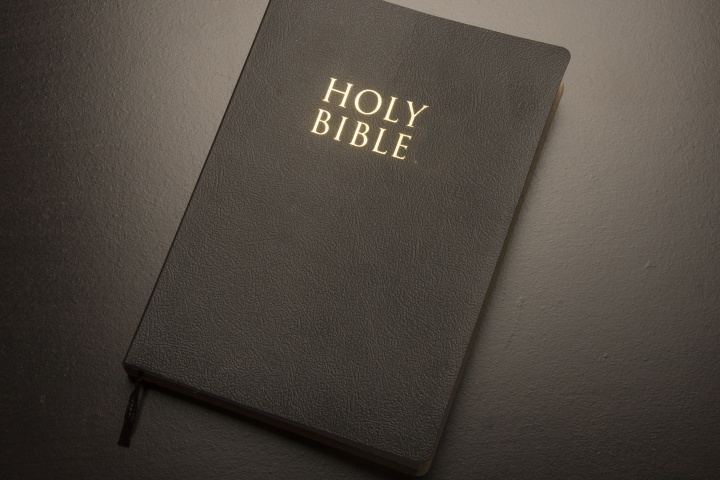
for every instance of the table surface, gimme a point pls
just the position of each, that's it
(599, 353)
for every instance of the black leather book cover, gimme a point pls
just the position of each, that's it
(332, 263)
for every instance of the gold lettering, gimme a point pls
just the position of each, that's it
(377, 143)
(367, 134)
(389, 111)
(377, 107)
(340, 128)
(362, 134)
(320, 120)
(331, 89)
(413, 113)
(401, 145)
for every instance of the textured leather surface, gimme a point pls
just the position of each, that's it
(330, 286)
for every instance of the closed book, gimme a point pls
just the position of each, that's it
(333, 261)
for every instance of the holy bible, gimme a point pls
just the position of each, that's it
(331, 266)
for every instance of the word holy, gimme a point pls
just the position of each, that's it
(368, 103)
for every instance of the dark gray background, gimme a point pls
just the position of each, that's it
(599, 354)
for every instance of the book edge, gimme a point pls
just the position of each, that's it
(562, 50)
(473, 337)
(197, 182)
(377, 456)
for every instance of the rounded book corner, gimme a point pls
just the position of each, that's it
(424, 467)
(566, 55)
